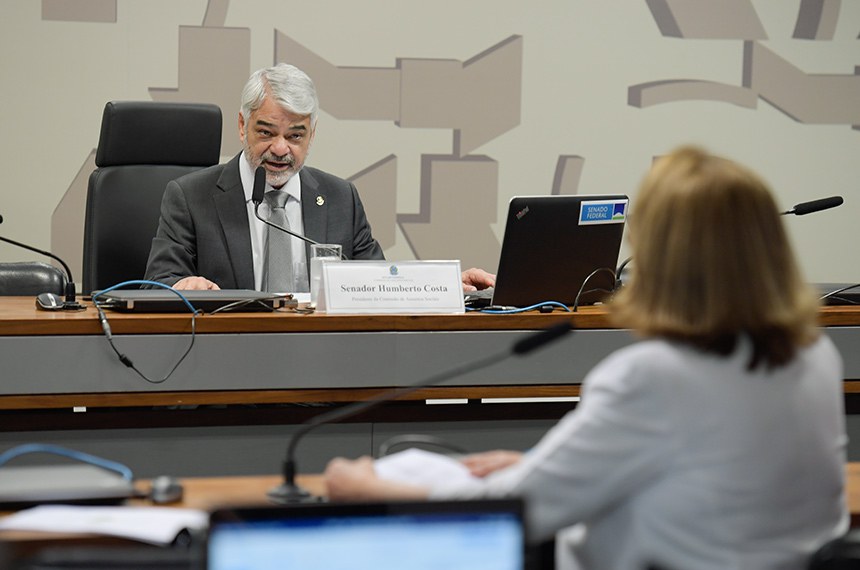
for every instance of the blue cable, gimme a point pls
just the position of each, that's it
(147, 282)
(523, 309)
(19, 450)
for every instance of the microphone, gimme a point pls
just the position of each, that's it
(799, 210)
(259, 186)
(289, 492)
(815, 206)
(70, 302)
(257, 199)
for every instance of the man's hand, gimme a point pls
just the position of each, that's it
(195, 283)
(475, 279)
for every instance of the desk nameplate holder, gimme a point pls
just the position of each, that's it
(374, 287)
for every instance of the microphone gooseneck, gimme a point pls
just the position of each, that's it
(257, 198)
(70, 302)
(815, 206)
(289, 492)
(257, 194)
(536, 340)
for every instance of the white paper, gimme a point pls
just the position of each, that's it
(421, 467)
(156, 525)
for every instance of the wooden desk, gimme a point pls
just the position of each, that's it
(852, 491)
(210, 493)
(233, 395)
(62, 360)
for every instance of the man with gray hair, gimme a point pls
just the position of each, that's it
(208, 236)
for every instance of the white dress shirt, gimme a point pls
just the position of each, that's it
(258, 229)
(682, 459)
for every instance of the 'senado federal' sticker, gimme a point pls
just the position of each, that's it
(603, 212)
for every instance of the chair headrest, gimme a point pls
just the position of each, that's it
(149, 132)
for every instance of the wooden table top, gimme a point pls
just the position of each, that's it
(19, 316)
(210, 493)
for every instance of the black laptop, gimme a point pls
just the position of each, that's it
(167, 301)
(431, 535)
(556, 248)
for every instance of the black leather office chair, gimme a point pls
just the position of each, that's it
(30, 278)
(142, 146)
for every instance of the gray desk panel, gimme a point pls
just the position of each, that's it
(86, 364)
(847, 340)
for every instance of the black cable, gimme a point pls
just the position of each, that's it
(840, 290)
(109, 335)
(128, 362)
(585, 281)
(619, 273)
(244, 303)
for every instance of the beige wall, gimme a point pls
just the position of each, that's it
(494, 100)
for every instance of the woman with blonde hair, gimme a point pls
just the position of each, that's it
(717, 442)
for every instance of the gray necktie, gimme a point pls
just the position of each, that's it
(278, 270)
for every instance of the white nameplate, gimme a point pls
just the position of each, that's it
(363, 287)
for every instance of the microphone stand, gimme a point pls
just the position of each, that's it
(70, 303)
(290, 493)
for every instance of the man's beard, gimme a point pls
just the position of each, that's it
(274, 179)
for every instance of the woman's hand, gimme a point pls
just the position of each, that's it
(356, 480)
(482, 464)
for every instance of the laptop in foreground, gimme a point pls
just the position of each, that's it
(22, 486)
(426, 535)
(556, 246)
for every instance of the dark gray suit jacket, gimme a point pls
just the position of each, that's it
(204, 229)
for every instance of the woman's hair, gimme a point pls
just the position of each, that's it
(290, 87)
(712, 262)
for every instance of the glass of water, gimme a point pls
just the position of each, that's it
(319, 253)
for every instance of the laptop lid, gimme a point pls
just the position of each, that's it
(552, 244)
(460, 535)
(22, 486)
(166, 301)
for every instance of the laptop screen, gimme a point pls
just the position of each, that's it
(428, 535)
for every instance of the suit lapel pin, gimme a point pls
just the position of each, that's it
(320, 200)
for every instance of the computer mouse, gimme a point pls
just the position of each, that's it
(165, 490)
(49, 302)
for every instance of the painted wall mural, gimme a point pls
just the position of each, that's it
(496, 107)
(806, 98)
